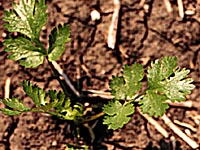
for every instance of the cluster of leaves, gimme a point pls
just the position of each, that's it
(54, 103)
(165, 82)
(28, 17)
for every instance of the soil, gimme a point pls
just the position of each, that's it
(143, 36)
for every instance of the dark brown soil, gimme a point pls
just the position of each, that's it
(142, 37)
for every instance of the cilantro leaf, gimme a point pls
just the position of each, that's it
(177, 87)
(57, 98)
(132, 76)
(161, 69)
(117, 114)
(9, 112)
(35, 93)
(54, 101)
(23, 50)
(118, 88)
(27, 17)
(129, 83)
(153, 104)
(165, 82)
(62, 106)
(57, 39)
(15, 103)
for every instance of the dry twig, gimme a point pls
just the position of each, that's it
(97, 93)
(86, 70)
(153, 122)
(182, 135)
(181, 9)
(188, 104)
(168, 6)
(112, 32)
(186, 125)
(7, 88)
(142, 2)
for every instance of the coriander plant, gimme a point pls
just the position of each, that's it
(27, 18)
(165, 80)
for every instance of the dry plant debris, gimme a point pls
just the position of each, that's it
(112, 32)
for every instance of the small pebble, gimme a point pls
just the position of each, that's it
(4, 34)
(189, 12)
(95, 15)
(54, 143)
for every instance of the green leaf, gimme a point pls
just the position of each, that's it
(57, 40)
(69, 112)
(130, 82)
(165, 82)
(62, 106)
(58, 98)
(132, 76)
(9, 112)
(27, 17)
(117, 114)
(56, 101)
(177, 87)
(23, 50)
(118, 88)
(161, 69)
(153, 104)
(35, 93)
(16, 104)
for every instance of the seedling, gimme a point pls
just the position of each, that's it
(165, 80)
(27, 18)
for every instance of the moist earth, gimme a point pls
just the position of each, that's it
(143, 36)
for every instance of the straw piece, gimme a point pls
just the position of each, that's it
(186, 125)
(153, 122)
(168, 6)
(7, 88)
(112, 32)
(182, 135)
(181, 9)
(187, 104)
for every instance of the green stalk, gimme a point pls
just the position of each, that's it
(57, 75)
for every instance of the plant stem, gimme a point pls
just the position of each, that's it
(137, 97)
(38, 43)
(94, 117)
(57, 75)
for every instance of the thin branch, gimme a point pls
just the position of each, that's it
(153, 122)
(187, 104)
(182, 135)
(181, 9)
(142, 2)
(168, 6)
(97, 93)
(186, 125)
(112, 32)
(7, 88)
